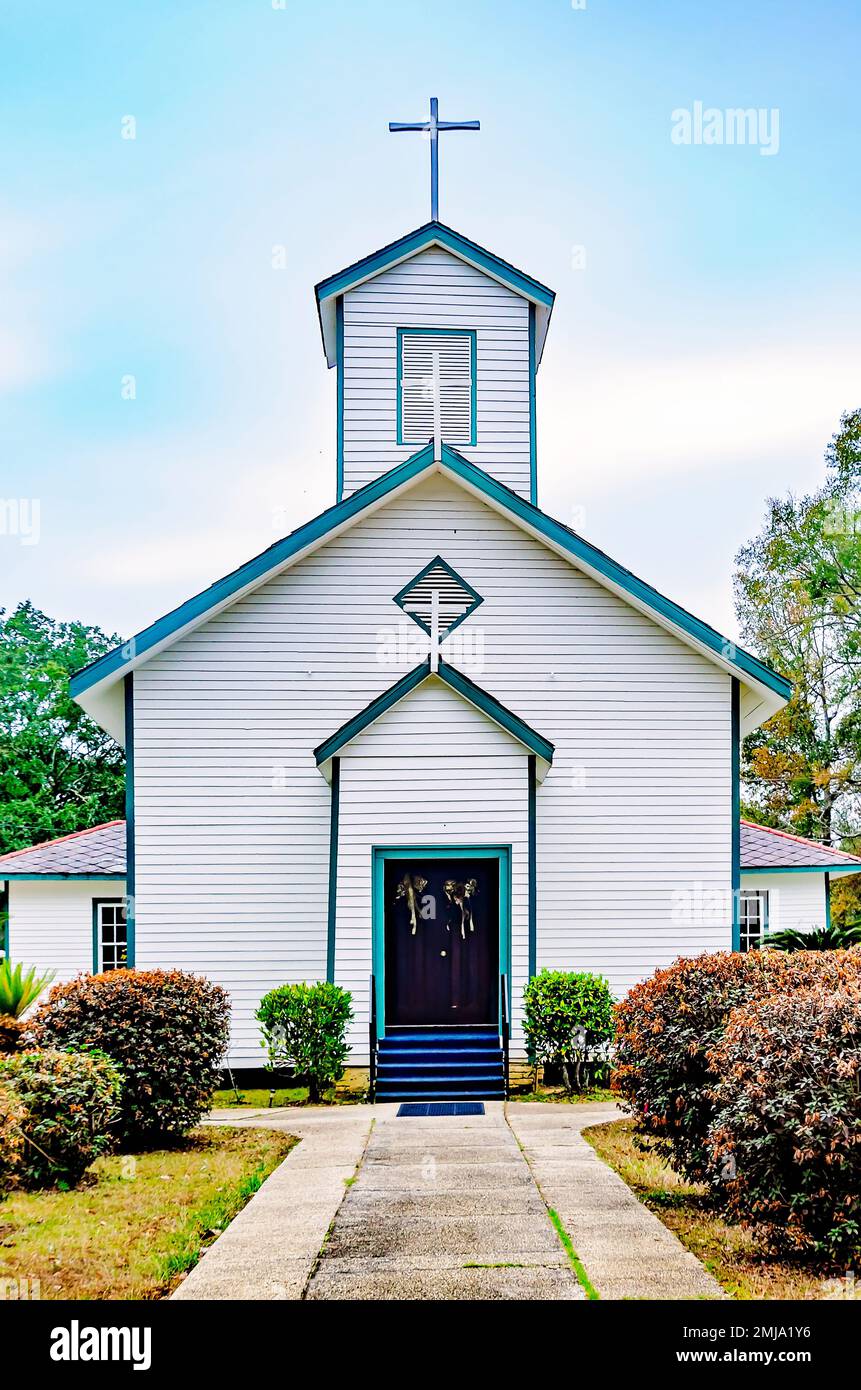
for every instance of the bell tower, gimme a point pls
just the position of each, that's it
(435, 340)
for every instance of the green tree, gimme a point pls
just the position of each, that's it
(798, 601)
(59, 771)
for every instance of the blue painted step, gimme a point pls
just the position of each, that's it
(440, 1064)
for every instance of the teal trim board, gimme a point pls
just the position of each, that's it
(473, 374)
(735, 770)
(334, 818)
(533, 435)
(376, 491)
(66, 878)
(129, 700)
(379, 855)
(533, 866)
(456, 681)
(831, 868)
(339, 340)
(427, 235)
(4, 917)
(827, 901)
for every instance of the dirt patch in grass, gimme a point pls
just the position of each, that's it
(140, 1221)
(556, 1095)
(730, 1253)
(289, 1095)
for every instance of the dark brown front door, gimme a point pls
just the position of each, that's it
(442, 941)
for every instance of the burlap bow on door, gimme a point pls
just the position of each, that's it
(411, 887)
(460, 894)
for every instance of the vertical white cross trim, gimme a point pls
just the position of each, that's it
(437, 411)
(434, 640)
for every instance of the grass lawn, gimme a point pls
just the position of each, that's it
(139, 1221)
(289, 1095)
(557, 1095)
(729, 1252)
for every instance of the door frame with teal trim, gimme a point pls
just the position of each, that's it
(379, 855)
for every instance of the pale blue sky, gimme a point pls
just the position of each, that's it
(697, 363)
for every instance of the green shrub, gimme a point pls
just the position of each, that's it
(13, 1116)
(304, 1030)
(666, 1026)
(786, 1139)
(71, 1104)
(831, 938)
(166, 1029)
(568, 1021)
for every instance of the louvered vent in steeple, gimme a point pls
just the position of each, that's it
(424, 357)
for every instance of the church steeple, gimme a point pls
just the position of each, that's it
(435, 339)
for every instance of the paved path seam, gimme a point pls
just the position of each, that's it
(626, 1251)
(443, 1208)
(269, 1250)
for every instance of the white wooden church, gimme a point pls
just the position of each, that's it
(432, 741)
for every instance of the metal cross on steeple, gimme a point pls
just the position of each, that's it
(433, 128)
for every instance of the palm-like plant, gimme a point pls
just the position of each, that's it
(832, 938)
(18, 990)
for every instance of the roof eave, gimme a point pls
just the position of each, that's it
(89, 686)
(456, 681)
(328, 291)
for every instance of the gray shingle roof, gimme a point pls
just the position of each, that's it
(762, 848)
(100, 850)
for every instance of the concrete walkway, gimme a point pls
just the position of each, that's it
(443, 1209)
(626, 1251)
(372, 1206)
(269, 1249)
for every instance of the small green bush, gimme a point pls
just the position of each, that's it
(786, 1139)
(71, 1105)
(304, 1030)
(568, 1021)
(13, 1116)
(166, 1029)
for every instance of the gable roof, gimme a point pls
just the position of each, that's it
(95, 687)
(772, 850)
(462, 685)
(99, 852)
(328, 291)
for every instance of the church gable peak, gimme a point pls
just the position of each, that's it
(435, 338)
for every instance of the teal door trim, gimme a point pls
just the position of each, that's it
(379, 855)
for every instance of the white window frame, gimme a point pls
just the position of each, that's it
(752, 927)
(115, 908)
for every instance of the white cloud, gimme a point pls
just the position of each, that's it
(621, 420)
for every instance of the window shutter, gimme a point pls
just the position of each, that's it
(454, 353)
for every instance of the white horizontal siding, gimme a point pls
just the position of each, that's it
(431, 771)
(435, 290)
(51, 923)
(796, 902)
(233, 816)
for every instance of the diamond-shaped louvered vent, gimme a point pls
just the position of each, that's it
(457, 599)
